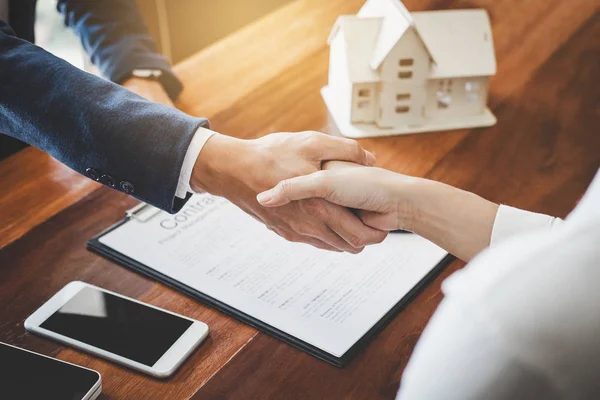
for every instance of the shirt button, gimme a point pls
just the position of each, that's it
(92, 173)
(127, 187)
(107, 180)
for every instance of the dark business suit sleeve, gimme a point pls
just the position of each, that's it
(92, 125)
(114, 35)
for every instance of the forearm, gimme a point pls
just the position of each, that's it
(93, 126)
(115, 37)
(456, 220)
(460, 222)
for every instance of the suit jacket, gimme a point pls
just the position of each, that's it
(90, 124)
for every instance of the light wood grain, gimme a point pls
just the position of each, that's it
(34, 188)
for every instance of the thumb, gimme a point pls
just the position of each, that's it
(301, 187)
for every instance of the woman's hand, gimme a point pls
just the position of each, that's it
(383, 199)
(456, 220)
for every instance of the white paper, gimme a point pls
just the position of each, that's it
(327, 299)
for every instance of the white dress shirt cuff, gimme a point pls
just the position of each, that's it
(511, 221)
(198, 141)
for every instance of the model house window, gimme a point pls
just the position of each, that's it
(472, 86)
(363, 104)
(405, 74)
(473, 90)
(364, 92)
(402, 96)
(445, 85)
(402, 109)
(444, 99)
(406, 62)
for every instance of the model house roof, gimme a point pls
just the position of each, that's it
(395, 20)
(458, 41)
(360, 37)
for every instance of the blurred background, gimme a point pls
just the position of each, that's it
(52, 34)
(198, 24)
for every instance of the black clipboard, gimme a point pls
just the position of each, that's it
(95, 245)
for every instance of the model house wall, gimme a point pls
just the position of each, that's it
(350, 39)
(404, 73)
(365, 102)
(456, 97)
(339, 79)
(408, 61)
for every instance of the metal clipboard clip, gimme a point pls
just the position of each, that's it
(142, 212)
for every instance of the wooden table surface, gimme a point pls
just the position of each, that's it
(541, 156)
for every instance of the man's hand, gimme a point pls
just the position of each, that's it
(239, 169)
(149, 89)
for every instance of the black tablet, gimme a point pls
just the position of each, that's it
(26, 375)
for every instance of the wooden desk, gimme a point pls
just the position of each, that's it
(541, 155)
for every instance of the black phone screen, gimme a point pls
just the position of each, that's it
(120, 326)
(25, 375)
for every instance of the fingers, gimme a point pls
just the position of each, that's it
(330, 227)
(327, 148)
(302, 187)
(332, 239)
(291, 236)
(349, 227)
(346, 231)
(338, 165)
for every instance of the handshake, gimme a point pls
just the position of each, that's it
(307, 187)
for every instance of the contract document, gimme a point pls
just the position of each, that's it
(323, 302)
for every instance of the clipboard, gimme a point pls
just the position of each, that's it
(144, 213)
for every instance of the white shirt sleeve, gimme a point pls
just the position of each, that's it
(199, 140)
(459, 357)
(511, 221)
(521, 320)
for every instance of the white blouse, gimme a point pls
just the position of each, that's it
(522, 319)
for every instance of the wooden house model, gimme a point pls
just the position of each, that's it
(393, 72)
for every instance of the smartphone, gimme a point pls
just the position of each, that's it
(26, 375)
(137, 335)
